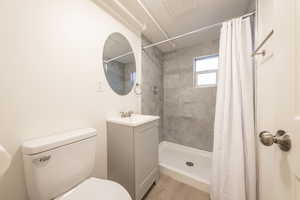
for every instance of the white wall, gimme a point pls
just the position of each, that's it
(51, 63)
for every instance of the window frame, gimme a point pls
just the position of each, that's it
(195, 73)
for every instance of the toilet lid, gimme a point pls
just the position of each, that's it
(97, 189)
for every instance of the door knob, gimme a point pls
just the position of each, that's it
(281, 138)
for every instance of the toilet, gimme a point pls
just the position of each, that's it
(59, 167)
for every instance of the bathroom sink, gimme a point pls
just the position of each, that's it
(134, 120)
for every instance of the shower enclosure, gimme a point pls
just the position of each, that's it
(186, 110)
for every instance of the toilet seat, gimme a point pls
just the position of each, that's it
(96, 189)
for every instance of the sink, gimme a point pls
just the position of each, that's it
(134, 120)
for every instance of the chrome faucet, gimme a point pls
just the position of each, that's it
(126, 114)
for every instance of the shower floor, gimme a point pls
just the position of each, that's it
(185, 164)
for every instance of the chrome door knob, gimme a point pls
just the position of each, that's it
(281, 138)
(266, 138)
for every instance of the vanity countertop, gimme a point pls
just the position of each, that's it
(134, 120)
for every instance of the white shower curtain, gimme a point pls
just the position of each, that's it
(234, 166)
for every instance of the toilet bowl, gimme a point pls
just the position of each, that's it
(96, 189)
(59, 167)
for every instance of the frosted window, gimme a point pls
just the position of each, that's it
(206, 71)
(133, 77)
(207, 63)
(207, 79)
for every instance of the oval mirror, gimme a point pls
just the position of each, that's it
(119, 64)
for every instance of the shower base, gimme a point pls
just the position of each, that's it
(185, 164)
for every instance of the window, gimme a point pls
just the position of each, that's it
(206, 71)
(132, 77)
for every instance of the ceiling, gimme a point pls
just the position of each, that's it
(179, 16)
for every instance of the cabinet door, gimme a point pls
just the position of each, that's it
(146, 157)
(120, 156)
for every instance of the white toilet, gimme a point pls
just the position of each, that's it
(59, 167)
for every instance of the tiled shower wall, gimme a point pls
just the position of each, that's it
(152, 76)
(188, 116)
(187, 113)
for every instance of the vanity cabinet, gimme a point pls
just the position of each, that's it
(133, 155)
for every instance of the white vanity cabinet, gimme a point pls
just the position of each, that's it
(133, 153)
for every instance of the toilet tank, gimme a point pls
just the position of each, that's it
(55, 164)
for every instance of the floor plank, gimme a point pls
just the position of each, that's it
(170, 189)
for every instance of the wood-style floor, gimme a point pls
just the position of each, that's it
(170, 189)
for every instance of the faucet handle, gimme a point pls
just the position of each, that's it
(123, 114)
(130, 113)
(126, 114)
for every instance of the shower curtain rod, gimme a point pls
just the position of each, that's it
(179, 36)
(193, 32)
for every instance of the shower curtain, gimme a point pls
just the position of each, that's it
(234, 166)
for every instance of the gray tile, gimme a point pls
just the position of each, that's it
(152, 74)
(188, 112)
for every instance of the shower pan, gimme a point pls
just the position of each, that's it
(188, 165)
